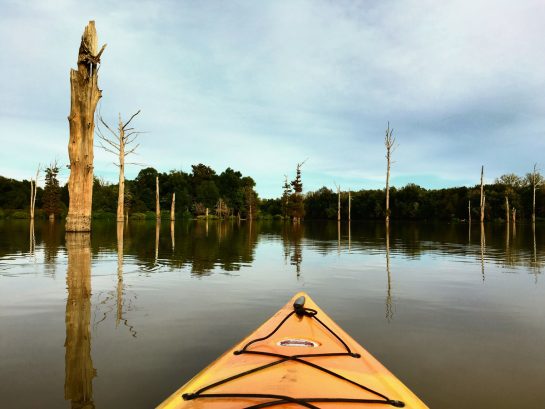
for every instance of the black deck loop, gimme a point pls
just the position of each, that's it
(300, 311)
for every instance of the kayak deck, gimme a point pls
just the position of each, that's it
(298, 358)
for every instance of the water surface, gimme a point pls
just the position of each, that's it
(123, 317)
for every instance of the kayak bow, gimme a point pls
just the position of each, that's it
(298, 358)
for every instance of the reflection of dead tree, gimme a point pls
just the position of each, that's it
(79, 370)
(32, 238)
(389, 304)
(338, 237)
(172, 234)
(119, 145)
(483, 246)
(157, 232)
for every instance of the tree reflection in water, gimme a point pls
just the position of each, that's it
(79, 371)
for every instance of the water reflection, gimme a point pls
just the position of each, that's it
(429, 272)
(483, 247)
(79, 370)
(292, 236)
(389, 304)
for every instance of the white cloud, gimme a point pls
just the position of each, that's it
(260, 86)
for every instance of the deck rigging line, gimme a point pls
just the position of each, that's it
(300, 310)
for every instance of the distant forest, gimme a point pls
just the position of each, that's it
(232, 195)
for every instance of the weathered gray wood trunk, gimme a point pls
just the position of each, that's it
(84, 96)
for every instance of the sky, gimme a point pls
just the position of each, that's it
(259, 86)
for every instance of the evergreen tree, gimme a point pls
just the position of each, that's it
(286, 197)
(296, 205)
(52, 192)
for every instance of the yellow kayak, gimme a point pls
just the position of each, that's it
(299, 358)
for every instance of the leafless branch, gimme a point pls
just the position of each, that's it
(130, 119)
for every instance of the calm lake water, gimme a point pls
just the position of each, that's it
(124, 317)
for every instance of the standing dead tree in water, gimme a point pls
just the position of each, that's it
(390, 144)
(536, 180)
(120, 145)
(33, 191)
(84, 96)
(173, 208)
(483, 198)
(349, 205)
(157, 204)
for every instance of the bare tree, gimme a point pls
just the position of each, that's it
(84, 96)
(157, 205)
(536, 180)
(349, 204)
(483, 198)
(33, 191)
(119, 144)
(338, 202)
(390, 143)
(469, 211)
(173, 208)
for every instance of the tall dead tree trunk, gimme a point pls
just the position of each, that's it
(173, 208)
(84, 96)
(157, 205)
(33, 191)
(349, 203)
(338, 203)
(534, 194)
(482, 194)
(121, 183)
(469, 211)
(389, 142)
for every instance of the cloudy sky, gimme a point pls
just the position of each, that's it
(261, 85)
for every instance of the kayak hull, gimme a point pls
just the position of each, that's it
(301, 378)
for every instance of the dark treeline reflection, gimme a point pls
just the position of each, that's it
(202, 246)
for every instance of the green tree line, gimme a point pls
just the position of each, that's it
(203, 188)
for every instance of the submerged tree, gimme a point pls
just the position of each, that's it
(84, 96)
(52, 192)
(390, 144)
(120, 145)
